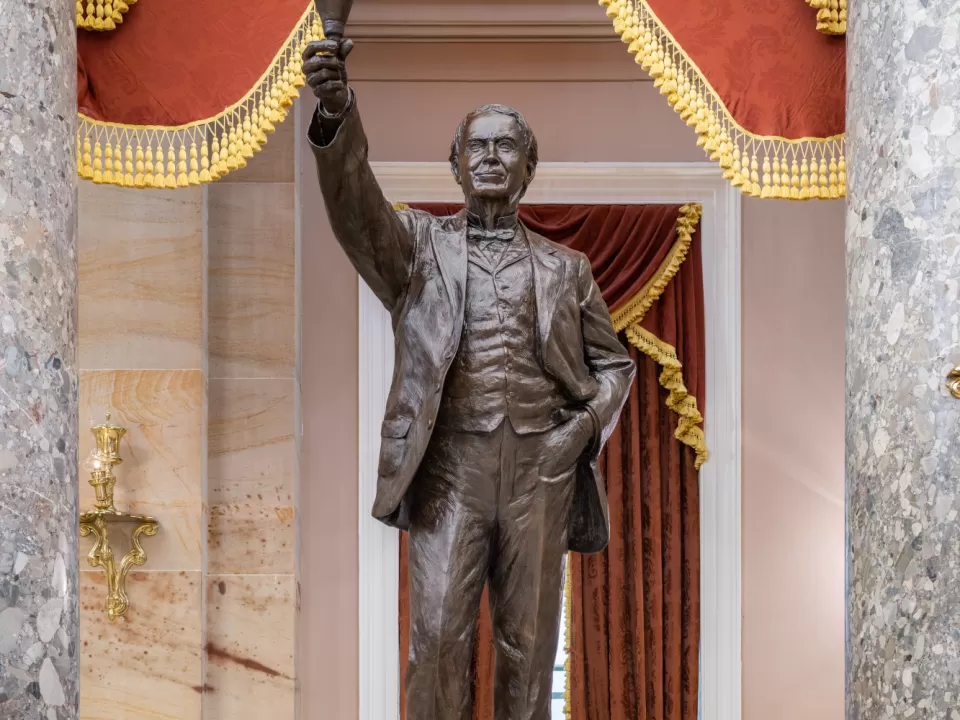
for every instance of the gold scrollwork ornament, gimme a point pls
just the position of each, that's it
(953, 382)
(97, 522)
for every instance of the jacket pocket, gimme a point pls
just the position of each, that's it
(396, 427)
(393, 444)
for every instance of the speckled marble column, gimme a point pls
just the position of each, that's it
(903, 336)
(38, 386)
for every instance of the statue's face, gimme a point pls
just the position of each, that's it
(493, 163)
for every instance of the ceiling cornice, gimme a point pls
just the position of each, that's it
(481, 23)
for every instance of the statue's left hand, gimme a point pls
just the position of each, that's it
(565, 443)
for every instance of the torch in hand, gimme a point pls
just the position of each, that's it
(324, 61)
(334, 14)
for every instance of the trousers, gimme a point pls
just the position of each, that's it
(483, 513)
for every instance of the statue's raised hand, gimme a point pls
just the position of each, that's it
(324, 64)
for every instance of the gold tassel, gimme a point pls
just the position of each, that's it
(287, 93)
(108, 164)
(194, 178)
(139, 181)
(215, 159)
(148, 175)
(86, 169)
(205, 175)
(831, 16)
(128, 166)
(794, 181)
(182, 180)
(171, 179)
(266, 125)
(249, 146)
(97, 163)
(232, 154)
(737, 179)
(258, 134)
(100, 16)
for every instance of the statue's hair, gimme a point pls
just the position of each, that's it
(526, 134)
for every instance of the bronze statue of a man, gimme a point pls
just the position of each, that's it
(509, 378)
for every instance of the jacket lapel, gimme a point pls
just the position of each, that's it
(549, 274)
(450, 250)
(549, 271)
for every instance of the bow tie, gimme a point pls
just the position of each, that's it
(505, 230)
(480, 234)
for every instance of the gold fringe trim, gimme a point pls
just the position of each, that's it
(568, 639)
(636, 307)
(205, 150)
(831, 16)
(759, 165)
(101, 15)
(679, 399)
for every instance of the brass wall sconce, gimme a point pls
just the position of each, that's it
(953, 382)
(98, 521)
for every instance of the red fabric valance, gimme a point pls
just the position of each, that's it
(776, 74)
(763, 90)
(174, 62)
(182, 92)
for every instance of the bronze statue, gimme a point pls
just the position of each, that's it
(509, 378)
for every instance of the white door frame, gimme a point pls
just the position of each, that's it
(600, 183)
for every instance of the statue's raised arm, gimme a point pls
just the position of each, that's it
(375, 239)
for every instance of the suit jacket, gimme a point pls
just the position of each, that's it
(416, 264)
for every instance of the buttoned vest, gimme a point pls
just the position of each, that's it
(497, 371)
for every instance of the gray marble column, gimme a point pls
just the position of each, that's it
(38, 383)
(903, 336)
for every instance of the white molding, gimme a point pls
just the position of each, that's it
(477, 22)
(378, 545)
(720, 498)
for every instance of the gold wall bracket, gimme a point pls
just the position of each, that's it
(97, 522)
(953, 382)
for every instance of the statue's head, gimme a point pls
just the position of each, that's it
(494, 154)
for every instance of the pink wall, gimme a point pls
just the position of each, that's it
(793, 460)
(585, 106)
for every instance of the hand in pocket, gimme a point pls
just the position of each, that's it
(565, 443)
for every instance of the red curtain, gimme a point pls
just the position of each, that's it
(635, 629)
(635, 607)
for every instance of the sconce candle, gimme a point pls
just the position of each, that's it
(97, 522)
